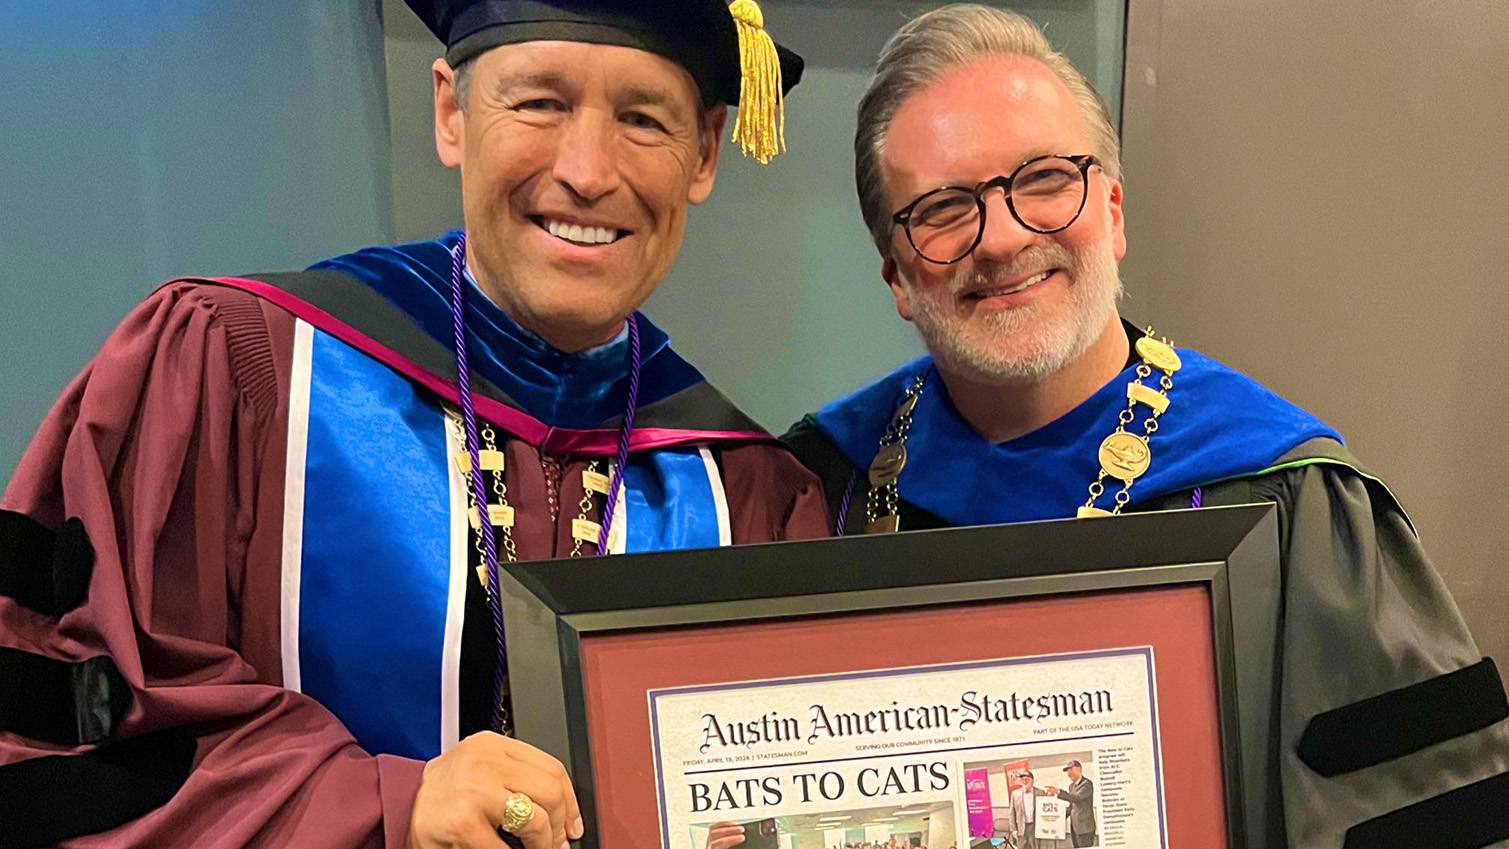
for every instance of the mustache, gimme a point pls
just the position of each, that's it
(1032, 259)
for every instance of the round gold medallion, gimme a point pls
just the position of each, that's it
(888, 464)
(1125, 456)
(1160, 355)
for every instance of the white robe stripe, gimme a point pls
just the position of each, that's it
(720, 498)
(293, 501)
(450, 670)
(618, 535)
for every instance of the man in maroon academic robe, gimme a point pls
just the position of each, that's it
(242, 564)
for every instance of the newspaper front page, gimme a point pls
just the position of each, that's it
(1028, 752)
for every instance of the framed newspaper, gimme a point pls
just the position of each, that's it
(1102, 682)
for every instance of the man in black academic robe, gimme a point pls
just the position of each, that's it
(989, 176)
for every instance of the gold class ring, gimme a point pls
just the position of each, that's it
(517, 812)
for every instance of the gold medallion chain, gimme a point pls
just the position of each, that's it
(883, 501)
(1126, 456)
(1123, 456)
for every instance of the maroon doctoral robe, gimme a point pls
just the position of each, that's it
(167, 457)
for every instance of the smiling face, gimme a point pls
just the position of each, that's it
(578, 162)
(1023, 304)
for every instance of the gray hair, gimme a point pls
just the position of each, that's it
(461, 82)
(927, 47)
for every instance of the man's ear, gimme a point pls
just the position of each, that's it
(892, 276)
(709, 143)
(1118, 222)
(450, 121)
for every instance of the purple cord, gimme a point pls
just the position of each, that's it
(1197, 499)
(479, 492)
(843, 506)
(623, 436)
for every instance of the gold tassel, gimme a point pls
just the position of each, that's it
(760, 128)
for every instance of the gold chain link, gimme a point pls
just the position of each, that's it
(500, 489)
(584, 506)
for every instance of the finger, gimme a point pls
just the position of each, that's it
(520, 767)
(537, 833)
(478, 833)
(547, 763)
(494, 772)
(545, 791)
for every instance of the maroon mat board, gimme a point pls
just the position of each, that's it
(619, 669)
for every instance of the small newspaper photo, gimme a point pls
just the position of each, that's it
(1035, 752)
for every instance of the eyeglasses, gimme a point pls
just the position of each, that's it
(1045, 194)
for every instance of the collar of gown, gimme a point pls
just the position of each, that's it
(585, 389)
(1220, 424)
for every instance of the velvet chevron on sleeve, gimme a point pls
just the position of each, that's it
(169, 450)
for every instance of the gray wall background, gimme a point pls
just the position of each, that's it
(1313, 195)
(140, 141)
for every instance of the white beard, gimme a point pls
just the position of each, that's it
(1026, 344)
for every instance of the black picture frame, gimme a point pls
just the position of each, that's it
(1232, 551)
